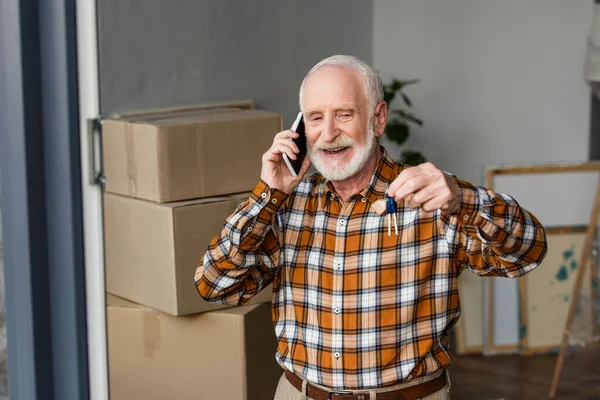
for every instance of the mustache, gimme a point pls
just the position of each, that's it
(340, 141)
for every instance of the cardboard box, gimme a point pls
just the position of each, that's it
(152, 250)
(227, 354)
(184, 109)
(160, 114)
(165, 159)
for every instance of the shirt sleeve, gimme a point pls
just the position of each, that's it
(242, 260)
(492, 235)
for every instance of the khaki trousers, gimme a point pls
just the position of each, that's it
(285, 390)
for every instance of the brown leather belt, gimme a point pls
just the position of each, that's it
(408, 393)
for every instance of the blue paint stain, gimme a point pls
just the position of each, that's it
(573, 265)
(562, 274)
(569, 253)
(522, 331)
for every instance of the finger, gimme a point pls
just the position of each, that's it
(276, 151)
(432, 205)
(405, 175)
(272, 156)
(288, 142)
(441, 198)
(290, 145)
(404, 178)
(283, 149)
(421, 197)
(286, 134)
(412, 186)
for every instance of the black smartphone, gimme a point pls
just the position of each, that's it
(298, 127)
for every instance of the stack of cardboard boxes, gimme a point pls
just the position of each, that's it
(171, 181)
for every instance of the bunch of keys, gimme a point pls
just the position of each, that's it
(388, 205)
(392, 210)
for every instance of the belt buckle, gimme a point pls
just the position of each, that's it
(344, 393)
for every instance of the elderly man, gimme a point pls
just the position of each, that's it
(359, 313)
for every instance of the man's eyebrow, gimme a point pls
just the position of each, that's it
(346, 108)
(312, 111)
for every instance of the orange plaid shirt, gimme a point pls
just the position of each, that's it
(353, 308)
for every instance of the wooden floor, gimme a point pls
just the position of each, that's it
(524, 377)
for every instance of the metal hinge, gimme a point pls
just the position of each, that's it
(96, 158)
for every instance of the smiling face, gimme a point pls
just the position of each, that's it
(339, 124)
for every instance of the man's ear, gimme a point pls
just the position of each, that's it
(380, 118)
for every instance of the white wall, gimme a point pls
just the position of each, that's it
(1, 241)
(501, 80)
(157, 53)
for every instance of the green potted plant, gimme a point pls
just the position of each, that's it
(400, 120)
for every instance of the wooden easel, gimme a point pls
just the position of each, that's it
(585, 263)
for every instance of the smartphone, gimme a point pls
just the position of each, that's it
(298, 127)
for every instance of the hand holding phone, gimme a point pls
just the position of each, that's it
(296, 165)
(285, 163)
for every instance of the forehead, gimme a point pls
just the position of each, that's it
(333, 85)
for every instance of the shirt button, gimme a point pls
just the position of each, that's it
(332, 197)
(263, 195)
(466, 217)
(363, 200)
(336, 354)
(250, 229)
(336, 310)
(274, 201)
(342, 222)
(338, 265)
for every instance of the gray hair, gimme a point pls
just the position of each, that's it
(371, 78)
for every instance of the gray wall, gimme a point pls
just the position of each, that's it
(501, 80)
(157, 53)
(595, 128)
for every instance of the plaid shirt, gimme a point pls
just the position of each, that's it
(352, 307)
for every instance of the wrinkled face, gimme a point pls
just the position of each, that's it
(339, 128)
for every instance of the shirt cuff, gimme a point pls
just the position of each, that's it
(470, 204)
(268, 199)
(472, 210)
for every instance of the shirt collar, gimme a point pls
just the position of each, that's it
(387, 170)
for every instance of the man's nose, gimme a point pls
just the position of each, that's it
(330, 129)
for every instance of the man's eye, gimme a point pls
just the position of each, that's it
(315, 119)
(345, 115)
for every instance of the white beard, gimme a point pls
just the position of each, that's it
(339, 171)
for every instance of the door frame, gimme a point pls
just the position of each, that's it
(54, 275)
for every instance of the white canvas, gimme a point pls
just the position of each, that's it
(556, 199)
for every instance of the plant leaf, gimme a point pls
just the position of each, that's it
(407, 116)
(410, 157)
(406, 99)
(390, 90)
(398, 84)
(397, 131)
(411, 82)
(388, 95)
